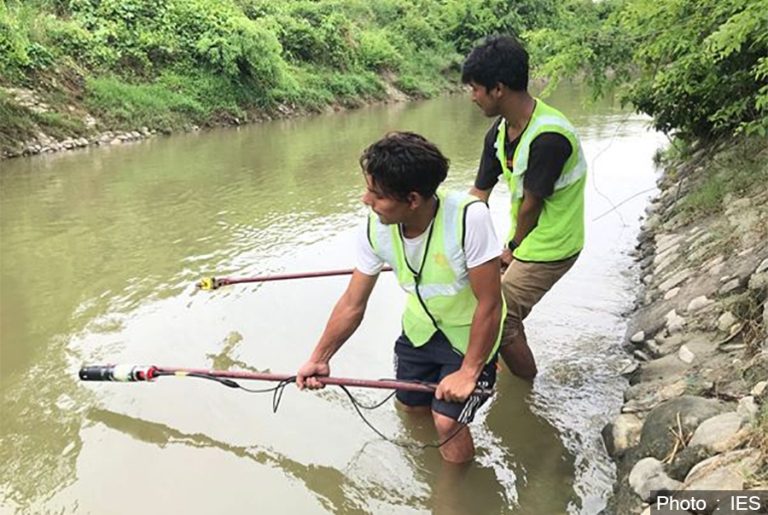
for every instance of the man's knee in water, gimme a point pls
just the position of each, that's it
(458, 446)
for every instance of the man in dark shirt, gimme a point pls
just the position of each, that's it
(536, 150)
(549, 152)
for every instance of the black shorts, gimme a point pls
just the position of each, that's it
(431, 363)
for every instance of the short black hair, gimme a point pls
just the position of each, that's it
(404, 162)
(500, 59)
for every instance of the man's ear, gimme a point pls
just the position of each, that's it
(415, 200)
(497, 91)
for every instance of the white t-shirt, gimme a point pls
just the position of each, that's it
(480, 243)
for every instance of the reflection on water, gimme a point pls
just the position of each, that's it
(100, 251)
(162, 436)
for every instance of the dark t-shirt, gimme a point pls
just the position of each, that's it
(549, 152)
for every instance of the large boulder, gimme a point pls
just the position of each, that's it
(657, 440)
(716, 433)
(724, 472)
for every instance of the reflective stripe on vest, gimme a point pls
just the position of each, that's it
(559, 233)
(442, 298)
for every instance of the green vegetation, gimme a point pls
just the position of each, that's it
(698, 67)
(735, 170)
(17, 123)
(167, 63)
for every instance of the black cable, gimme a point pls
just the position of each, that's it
(405, 445)
(372, 406)
(221, 380)
(279, 389)
(278, 395)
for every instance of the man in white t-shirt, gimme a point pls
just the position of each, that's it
(445, 254)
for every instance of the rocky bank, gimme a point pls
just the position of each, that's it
(96, 134)
(695, 414)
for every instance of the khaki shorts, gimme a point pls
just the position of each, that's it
(523, 285)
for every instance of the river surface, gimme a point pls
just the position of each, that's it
(100, 251)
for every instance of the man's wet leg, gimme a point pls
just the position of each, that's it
(459, 446)
(517, 355)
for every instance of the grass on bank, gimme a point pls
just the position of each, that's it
(175, 99)
(20, 123)
(313, 88)
(126, 106)
(737, 169)
(16, 122)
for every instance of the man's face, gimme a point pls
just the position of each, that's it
(388, 209)
(486, 99)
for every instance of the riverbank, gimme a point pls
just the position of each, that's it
(695, 416)
(35, 125)
(78, 74)
(83, 73)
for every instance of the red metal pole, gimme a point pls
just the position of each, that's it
(133, 373)
(384, 384)
(285, 277)
(211, 283)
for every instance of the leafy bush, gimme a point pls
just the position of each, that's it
(300, 41)
(316, 32)
(70, 38)
(702, 78)
(699, 67)
(377, 53)
(418, 30)
(13, 43)
(467, 21)
(242, 49)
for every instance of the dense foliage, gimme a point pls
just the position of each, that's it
(156, 62)
(699, 67)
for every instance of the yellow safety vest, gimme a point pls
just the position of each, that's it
(559, 233)
(439, 294)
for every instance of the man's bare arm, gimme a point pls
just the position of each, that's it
(485, 281)
(527, 216)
